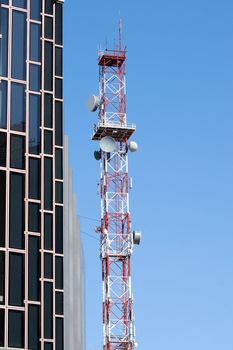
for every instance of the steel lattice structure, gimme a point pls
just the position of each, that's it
(115, 230)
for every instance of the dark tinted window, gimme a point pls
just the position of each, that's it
(18, 106)
(59, 334)
(16, 287)
(58, 27)
(48, 310)
(48, 142)
(48, 111)
(49, 7)
(16, 329)
(59, 272)
(48, 231)
(20, 3)
(48, 265)
(59, 303)
(34, 217)
(17, 152)
(34, 178)
(48, 346)
(35, 42)
(58, 58)
(4, 42)
(33, 268)
(59, 124)
(2, 148)
(2, 207)
(2, 327)
(59, 192)
(58, 88)
(33, 327)
(48, 27)
(48, 183)
(2, 277)
(35, 82)
(3, 103)
(48, 66)
(58, 163)
(17, 210)
(35, 8)
(19, 45)
(59, 229)
(34, 124)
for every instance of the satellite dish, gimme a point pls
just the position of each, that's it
(133, 146)
(93, 103)
(107, 144)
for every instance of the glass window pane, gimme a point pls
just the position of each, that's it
(58, 124)
(34, 178)
(2, 149)
(48, 265)
(34, 268)
(48, 27)
(59, 272)
(48, 231)
(17, 192)
(48, 310)
(17, 152)
(20, 3)
(34, 217)
(2, 327)
(35, 8)
(4, 42)
(35, 81)
(58, 58)
(34, 124)
(59, 303)
(33, 327)
(2, 277)
(59, 334)
(18, 106)
(48, 111)
(48, 346)
(58, 88)
(48, 183)
(16, 287)
(2, 207)
(19, 45)
(35, 42)
(58, 163)
(48, 66)
(59, 229)
(16, 329)
(58, 26)
(59, 192)
(48, 142)
(49, 7)
(3, 104)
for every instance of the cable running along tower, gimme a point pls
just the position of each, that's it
(116, 236)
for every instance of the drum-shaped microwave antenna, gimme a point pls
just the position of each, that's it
(93, 103)
(107, 144)
(133, 146)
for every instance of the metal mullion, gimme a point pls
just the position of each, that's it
(34, 21)
(31, 302)
(15, 132)
(36, 201)
(18, 81)
(35, 234)
(20, 9)
(17, 308)
(15, 170)
(16, 251)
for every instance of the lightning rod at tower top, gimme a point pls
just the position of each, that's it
(117, 239)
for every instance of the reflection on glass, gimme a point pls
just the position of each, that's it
(34, 268)
(16, 329)
(34, 217)
(19, 45)
(58, 88)
(49, 7)
(59, 26)
(48, 27)
(58, 272)
(4, 42)
(58, 59)
(48, 310)
(16, 279)
(2, 207)
(34, 178)
(35, 42)
(48, 265)
(58, 163)
(48, 142)
(34, 124)
(2, 277)
(35, 79)
(58, 124)
(3, 103)
(17, 152)
(59, 192)
(59, 303)
(20, 3)
(59, 334)
(35, 9)
(18, 106)
(48, 183)
(33, 327)
(48, 231)
(48, 110)
(48, 66)
(59, 230)
(2, 149)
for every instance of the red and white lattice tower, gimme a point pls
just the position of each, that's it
(117, 238)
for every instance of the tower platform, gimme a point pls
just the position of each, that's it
(116, 131)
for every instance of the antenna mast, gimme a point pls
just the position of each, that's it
(116, 237)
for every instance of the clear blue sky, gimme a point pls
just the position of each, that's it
(180, 94)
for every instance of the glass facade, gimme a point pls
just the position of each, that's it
(31, 175)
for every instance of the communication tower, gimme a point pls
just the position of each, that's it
(116, 236)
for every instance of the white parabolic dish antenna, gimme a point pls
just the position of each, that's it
(107, 144)
(93, 103)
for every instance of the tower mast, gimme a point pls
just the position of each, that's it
(116, 236)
